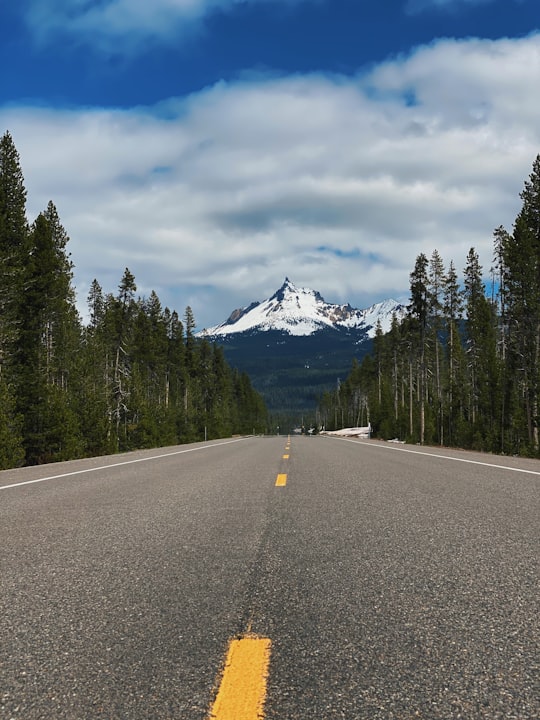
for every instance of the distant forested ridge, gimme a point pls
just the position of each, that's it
(463, 368)
(135, 376)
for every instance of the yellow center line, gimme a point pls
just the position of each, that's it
(285, 457)
(281, 480)
(242, 691)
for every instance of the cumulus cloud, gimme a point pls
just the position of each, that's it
(336, 182)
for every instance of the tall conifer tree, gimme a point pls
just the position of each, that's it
(13, 250)
(418, 310)
(49, 339)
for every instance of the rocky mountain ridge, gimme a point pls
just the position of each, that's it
(303, 312)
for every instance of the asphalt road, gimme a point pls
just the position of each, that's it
(393, 582)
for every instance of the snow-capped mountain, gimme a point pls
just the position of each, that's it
(301, 312)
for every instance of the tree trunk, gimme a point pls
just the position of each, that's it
(410, 399)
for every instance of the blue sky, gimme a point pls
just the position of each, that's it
(216, 146)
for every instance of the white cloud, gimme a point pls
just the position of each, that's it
(106, 23)
(336, 182)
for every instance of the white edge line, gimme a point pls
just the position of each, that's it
(442, 457)
(118, 464)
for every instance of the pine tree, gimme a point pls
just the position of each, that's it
(123, 313)
(176, 381)
(191, 429)
(96, 304)
(531, 204)
(95, 377)
(520, 262)
(152, 422)
(49, 339)
(436, 293)
(482, 358)
(418, 311)
(522, 295)
(14, 249)
(189, 326)
(396, 371)
(452, 313)
(11, 440)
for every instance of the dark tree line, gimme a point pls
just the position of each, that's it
(462, 367)
(135, 376)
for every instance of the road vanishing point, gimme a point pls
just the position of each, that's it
(272, 577)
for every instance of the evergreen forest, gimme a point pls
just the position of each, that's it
(134, 376)
(463, 366)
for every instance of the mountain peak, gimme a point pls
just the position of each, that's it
(287, 287)
(301, 311)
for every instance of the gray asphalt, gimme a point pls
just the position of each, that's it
(392, 584)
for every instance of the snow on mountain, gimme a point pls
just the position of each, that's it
(383, 312)
(301, 311)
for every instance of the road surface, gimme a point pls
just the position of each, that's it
(388, 581)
